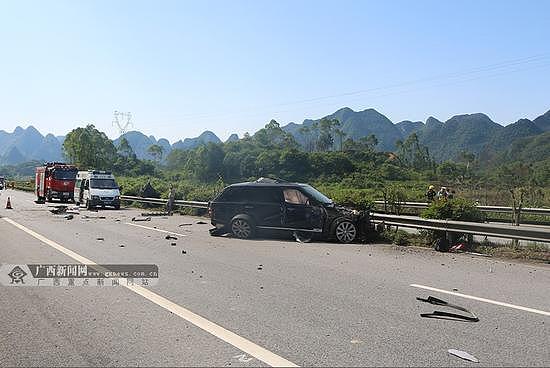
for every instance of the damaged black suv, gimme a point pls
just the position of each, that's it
(246, 209)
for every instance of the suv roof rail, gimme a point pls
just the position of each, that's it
(270, 180)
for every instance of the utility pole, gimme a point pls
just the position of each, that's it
(122, 120)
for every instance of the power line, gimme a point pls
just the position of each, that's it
(503, 66)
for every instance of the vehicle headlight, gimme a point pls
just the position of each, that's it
(95, 197)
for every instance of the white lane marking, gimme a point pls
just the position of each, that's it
(154, 229)
(221, 333)
(526, 309)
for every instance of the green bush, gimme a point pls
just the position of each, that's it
(454, 209)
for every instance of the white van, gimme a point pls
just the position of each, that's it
(96, 188)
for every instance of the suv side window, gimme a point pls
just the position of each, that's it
(264, 195)
(294, 196)
(232, 195)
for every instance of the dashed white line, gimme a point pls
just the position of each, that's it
(502, 304)
(221, 333)
(154, 229)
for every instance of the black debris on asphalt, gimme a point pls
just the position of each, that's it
(185, 224)
(154, 214)
(100, 239)
(94, 217)
(121, 245)
(69, 217)
(447, 315)
(170, 237)
(58, 210)
(260, 267)
(185, 252)
(135, 219)
(173, 244)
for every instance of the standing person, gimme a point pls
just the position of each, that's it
(431, 193)
(442, 194)
(171, 198)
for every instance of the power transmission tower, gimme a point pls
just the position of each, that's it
(123, 120)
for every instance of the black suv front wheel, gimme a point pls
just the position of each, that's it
(345, 231)
(242, 228)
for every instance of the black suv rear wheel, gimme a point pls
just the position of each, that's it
(242, 228)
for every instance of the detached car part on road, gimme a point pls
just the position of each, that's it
(245, 209)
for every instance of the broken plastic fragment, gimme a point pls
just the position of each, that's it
(463, 355)
(446, 315)
(302, 237)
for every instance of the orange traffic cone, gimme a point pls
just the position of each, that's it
(8, 204)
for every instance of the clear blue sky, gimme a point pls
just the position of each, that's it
(231, 66)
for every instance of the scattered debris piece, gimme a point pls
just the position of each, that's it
(185, 252)
(69, 217)
(173, 244)
(170, 237)
(458, 248)
(185, 224)
(302, 236)
(463, 355)
(121, 245)
(455, 289)
(260, 267)
(243, 358)
(58, 210)
(447, 315)
(100, 239)
(93, 217)
(201, 223)
(141, 219)
(154, 214)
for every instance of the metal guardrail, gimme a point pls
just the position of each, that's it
(161, 201)
(502, 209)
(532, 233)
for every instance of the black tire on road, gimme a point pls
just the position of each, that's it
(242, 228)
(345, 231)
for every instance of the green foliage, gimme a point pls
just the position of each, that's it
(454, 209)
(412, 154)
(156, 151)
(89, 148)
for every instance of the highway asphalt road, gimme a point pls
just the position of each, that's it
(316, 304)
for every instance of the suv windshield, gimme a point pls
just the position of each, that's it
(61, 174)
(103, 184)
(315, 194)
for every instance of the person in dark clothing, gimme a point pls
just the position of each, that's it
(430, 194)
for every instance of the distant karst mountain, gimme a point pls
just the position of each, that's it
(190, 143)
(356, 125)
(26, 145)
(475, 133)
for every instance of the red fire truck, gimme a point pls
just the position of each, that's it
(55, 180)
